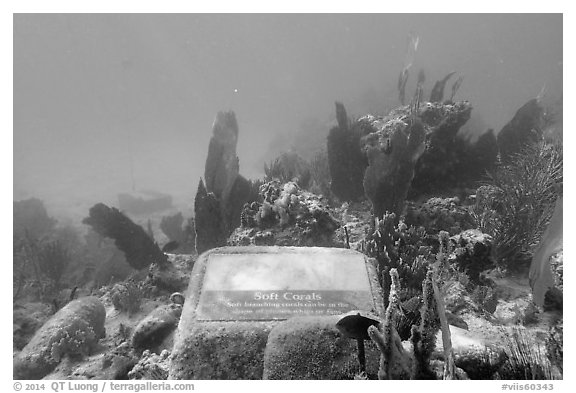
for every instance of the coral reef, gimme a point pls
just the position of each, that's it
(439, 166)
(289, 167)
(156, 326)
(151, 366)
(131, 239)
(127, 296)
(473, 253)
(519, 201)
(184, 234)
(524, 128)
(346, 161)
(286, 215)
(73, 330)
(53, 259)
(209, 225)
(392, 149)
(312, 348)
(439, 214)
(424, 337)
(30, 218)
(221, 350)
(437, 93)
(174, 276)
(395, 362)
(222, 166)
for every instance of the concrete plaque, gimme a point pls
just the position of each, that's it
(278, 286)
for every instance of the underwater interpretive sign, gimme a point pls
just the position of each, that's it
(278, 286)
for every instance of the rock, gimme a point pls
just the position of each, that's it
(156, 327)
(439, 214)
(174, 275)
(74, 330)
(117, 363)
(473, 353)
(513, 312)
(346, 161)
(392, 151)
(524, 128)
(151, 366)
(313, 348)
(220, 350)
(237, 295)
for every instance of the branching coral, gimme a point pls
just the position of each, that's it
(424, 337)
(394, 360)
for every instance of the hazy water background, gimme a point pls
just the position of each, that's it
(98, 94)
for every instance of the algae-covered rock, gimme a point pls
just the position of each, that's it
(439, 214)
(313, 348)
(74, 330)
(225, 321)
(151, 366)
(220, 350)
(156, 326)
(174, 275)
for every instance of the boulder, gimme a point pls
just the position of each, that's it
(174, 275)
(151, 366)
(156, 327)
(74, 330)
(313, 348)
